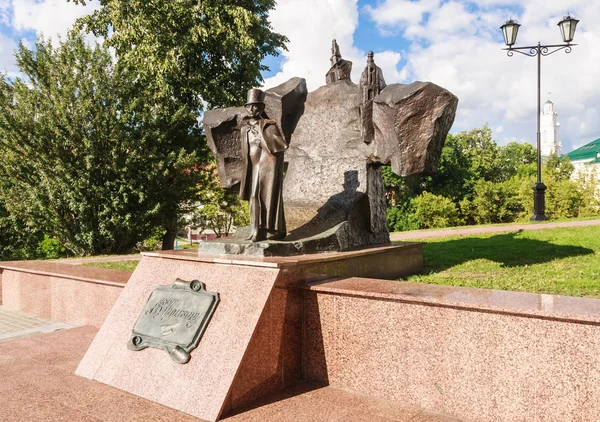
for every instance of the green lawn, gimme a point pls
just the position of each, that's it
(115, 265)
(185, 244)
(562, 261)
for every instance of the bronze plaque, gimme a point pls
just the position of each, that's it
(174, 319)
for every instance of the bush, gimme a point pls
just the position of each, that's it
(435, 211)
(50, 248)
(495, 202)
(402, 218)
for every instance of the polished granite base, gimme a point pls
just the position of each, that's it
(388, 261)
(340, 238)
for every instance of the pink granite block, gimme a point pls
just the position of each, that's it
(490, 363)
(274, 356)
(91, 274)
(26, 292)
(318, 337)
(388, 262)
(362, 406)
(568, 372)
(82, 303)
(201, 386)
(470, 353)
(379, 350)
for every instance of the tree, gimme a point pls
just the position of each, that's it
(559, 168)
(513, 157)
(17, 240)
(466, 158)
(177, 55)
(495, 202)
(220, 209)
(68, 161)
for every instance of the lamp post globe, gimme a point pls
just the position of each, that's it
(510, 29)
(567, 28)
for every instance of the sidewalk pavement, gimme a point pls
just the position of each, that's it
(37, 383)
(465, 231)
(15, 324)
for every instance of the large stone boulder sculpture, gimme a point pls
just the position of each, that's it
(339, 137)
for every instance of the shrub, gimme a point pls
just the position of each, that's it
(435, 211)
(402, 218)
(495, 202)
(50, 248)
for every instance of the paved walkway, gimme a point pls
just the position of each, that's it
(37, 383)
(18, 324)
(464, 231)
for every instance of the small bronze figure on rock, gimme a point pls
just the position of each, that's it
(262, 146)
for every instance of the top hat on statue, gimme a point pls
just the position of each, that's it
(255, 96)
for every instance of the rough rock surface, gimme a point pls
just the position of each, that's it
(223, 139)
(285, 105)
(333, 191)
(411, 123)
(329, 181)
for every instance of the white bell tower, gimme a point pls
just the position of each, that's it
(549, 130)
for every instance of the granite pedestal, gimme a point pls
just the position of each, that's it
(253, 344)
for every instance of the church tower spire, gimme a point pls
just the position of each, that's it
(549, 130)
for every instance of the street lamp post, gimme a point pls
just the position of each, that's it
(510, 30)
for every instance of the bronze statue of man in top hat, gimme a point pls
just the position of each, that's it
(263, 147)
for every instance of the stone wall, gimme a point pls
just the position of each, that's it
(476, 354)
(71, 294)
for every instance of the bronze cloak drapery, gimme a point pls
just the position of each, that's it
(270, 180)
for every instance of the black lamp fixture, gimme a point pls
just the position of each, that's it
(510, 29)
(567, 28)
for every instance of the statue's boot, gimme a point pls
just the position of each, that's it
(277, 236)
(259, 235)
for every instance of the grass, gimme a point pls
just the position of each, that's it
(115, 265)
(563, 261)
(185, 244)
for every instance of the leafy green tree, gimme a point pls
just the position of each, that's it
(589, 186)
(466, 158)
(17, 239)
(71, 158)
(402, 217)
(558, 168)
(220, 209)
(514, 157)
(178, 55)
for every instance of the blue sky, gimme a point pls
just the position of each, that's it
(455, 44)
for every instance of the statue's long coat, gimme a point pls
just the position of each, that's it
(271, 179)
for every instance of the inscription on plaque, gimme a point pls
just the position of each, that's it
(174, 319)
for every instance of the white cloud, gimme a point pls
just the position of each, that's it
(459, 47)
(48, 17)
(5, 11)
(7, 60)
(310, 29)
(309, 47)
(400, 13)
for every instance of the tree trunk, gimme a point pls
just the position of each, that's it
(168, 241)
